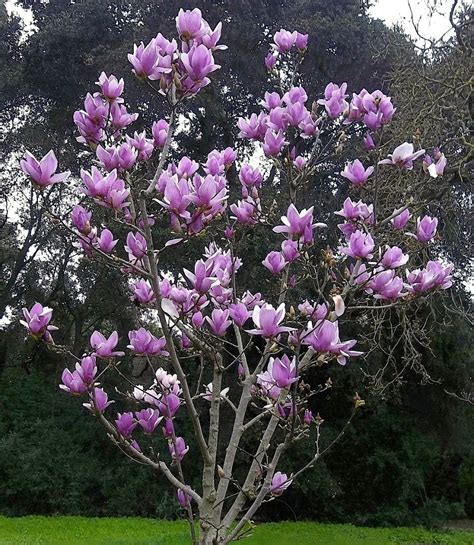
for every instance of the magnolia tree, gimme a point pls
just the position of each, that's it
(253, 350)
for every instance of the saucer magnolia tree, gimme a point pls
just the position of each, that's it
(252, 350)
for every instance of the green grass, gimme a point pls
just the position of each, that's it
(134, 531)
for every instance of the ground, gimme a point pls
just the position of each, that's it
(135, 531)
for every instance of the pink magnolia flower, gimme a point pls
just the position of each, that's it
(43, 172)
(143, 292)
(267, 320)
(125, 424)
(274, 262)
(104, 347)
(111, 87)
(296, 223)
(72, 382)
(426, 228)
(37, 320)
(249, 176)
(356, 173)
(285, 40)
(301, 41)
(189, 24)
(136, 245)
(393, 258)
(106, 241)
(270, 61)
(281, 371)
(219, 321)
(386, 286)
(178, 449)
(80, 218)
(273, 143)
(198, 63)
(400, 220)
(183, 499)
(148, 419)
(360, 246)
(403, 156)
(239, 313)
(289, 249)
(280, 482)
(435, 169)
(87, 369)
(324, 337)
(98, 401)
(334, 99)
(143, 342)
(308, 417)
(434, 275)
(159, 131)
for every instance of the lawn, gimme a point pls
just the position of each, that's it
(134, 531)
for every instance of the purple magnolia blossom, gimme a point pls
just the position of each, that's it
(106, 241)
(72, 382)
(267, 320)
(301, 41)
(43, 172)
(280, 482)
(394, 257)
(324, 337)
(426, 228)
(87, 369)
(400, 220)
(282, 371)
(169, 405)
(296, 223)
(107, 190)
(274, 262)
(285, 40)
(435, 169)
(198, 63)
(249, 176)
(190, 24)
(80, 218)
(125, 424)
(136, 245)
(270, 61)
(356, 173)
(159, 131)
(334, 99)
(178, 449)
(143, 292)
(356, 211)
(111, 87)
(148, 419)
(219, 321)
(373, 109)
(273, 143)
(360, 246)
(239, 313)
(403, 156)
(183, 499)
(308, 417)
(143, 342)
(98, 401)
(434, 275)
(37, 321)
(369, 143)
(141, 145)
(147, 61)
(289, 249)
(104, 348)
(386, 286)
